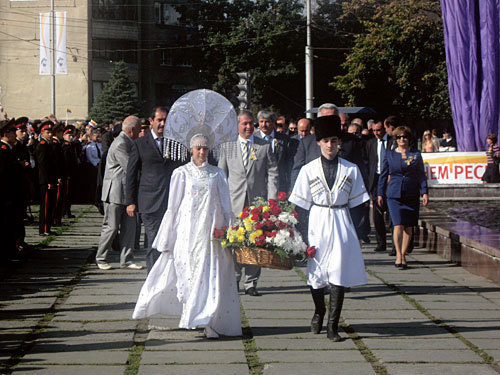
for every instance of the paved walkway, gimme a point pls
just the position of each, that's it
(59, 314)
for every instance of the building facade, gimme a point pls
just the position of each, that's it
(147, 35)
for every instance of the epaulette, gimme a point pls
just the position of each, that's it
(55, 141)
(42, 142)
(4, 147)
(66, 142)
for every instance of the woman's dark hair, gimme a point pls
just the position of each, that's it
(493, 137)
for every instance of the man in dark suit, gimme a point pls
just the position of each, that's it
(280, 145)
(375, 149)
(148, 179)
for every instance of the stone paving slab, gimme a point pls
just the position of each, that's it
(92, 336)
(193, 357)
(383, 328)
(77, 357)
(53, 346)
(89, 300)
(86, 325)
(440, 369)
(318, 343)
(201, 344)
(318, 368)
(414, 343)
(429, 356)
(194, 369)
(465, 314)
(69, 370)
(310, 356)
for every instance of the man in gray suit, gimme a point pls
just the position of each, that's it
(252, 171)
(116, 221)
(280, 145)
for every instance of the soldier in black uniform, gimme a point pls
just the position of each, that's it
(22, 151)
(11, 202)
(57, 141)
(70, 168)
(47, 177)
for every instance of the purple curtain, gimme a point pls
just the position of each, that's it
(472, 42)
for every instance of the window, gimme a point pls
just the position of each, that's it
(166, 14)
(115, 50)
(115, 10)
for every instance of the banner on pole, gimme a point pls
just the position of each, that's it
(454, 167)
(44, 44)
(61, 59)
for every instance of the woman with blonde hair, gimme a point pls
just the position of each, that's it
(428, 143)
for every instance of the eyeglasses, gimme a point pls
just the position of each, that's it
(402, 137)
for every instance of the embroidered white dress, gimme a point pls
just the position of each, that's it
(338, 259)
(194, 277)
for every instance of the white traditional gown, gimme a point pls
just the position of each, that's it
(194, 277)
(338, 259)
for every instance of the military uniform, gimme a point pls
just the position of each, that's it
(70, 165)
(11, 199)
(61, 177)
(47, 178)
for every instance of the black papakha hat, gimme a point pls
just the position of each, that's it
(69, 129)
(327, 126)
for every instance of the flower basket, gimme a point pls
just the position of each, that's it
(259, 256)
(264, 234)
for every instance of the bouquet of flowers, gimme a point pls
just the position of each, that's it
(268, 224)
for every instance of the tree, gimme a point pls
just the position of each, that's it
(398, 62)
(117, 98)
(262, 37)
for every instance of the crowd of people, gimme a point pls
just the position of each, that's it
(335, 170)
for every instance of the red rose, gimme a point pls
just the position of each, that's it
(268, 234)
(266, 215)
(311, 252)
(255, 217)
(275, 210)
(259, 225)
(246, 208)
(269, 223)
(261, 240)
(218, 233)
(244, 214)
(272, 202)
(281, 225)
(292, 234)
(273, 234)
(282, 196)
(295, 214)
(255, 211)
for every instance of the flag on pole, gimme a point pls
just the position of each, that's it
(68, 110)
(44, 44)
(61, 59)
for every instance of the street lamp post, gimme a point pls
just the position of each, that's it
(309, 62)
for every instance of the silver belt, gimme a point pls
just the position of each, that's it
(332, 206)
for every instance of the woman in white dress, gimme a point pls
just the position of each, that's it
(194, 277)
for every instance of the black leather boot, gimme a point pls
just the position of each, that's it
(336, 302)
(318, 296)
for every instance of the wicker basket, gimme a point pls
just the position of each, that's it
(262, 257)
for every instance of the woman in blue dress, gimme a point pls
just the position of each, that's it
(402, 182)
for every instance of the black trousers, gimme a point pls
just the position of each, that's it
(47, 206)
(152, 223)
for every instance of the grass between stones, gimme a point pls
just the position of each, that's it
(377, 366)
(253, 362)
(487, 359)
(134, 358)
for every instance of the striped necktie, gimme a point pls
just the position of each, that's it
(244, 154)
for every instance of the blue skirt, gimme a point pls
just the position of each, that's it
(404, 211)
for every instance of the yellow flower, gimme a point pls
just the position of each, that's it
(241, 238)
(258, 232)
(232, 238)
(239, 215)
(223, 243)
(240, 231)
(252, 237)
(265, 208)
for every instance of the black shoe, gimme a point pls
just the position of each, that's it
(380, 248)
(317, 323)
(252, 292)
(404, 266)
(398, 265)
(365, 239)
(392, 253)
